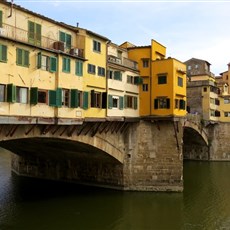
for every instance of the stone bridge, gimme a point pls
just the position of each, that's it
(126, 154)
(130, 154)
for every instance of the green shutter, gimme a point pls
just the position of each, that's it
(74, 98)
(117, 75)
(66, 64)
(79, 68)
(155, 103)
(53, 64)
(93, 98)
(61, 36)
(138, 80)
(26, 58)
(135, 102)
(38, 34)
(19, 56)
(68, 41)
(39, 60)
(52, 97)
(121, 103)
(34, 95)
(59, 97)
(85, 100)
(0, 18)
(3, 53)
(110, 105)
(11, 93)
(31, 32)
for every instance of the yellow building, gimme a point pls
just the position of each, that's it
(50, 69)
(163, 92)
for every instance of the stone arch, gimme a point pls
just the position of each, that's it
(195, 143)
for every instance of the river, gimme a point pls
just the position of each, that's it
(32, 204)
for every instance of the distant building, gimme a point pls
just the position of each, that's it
(202, 90)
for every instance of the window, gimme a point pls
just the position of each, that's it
(189, 67)
(80, 99)
(79, 68)
(145, 87)
(42, 96)
(196, 66)
(34, 33)
(205, 89)
(21, 95)
(95, 99)
(22, 57)
(91, 69)
(0, 18)
(66, 65)
(226, 100)
(66, 38)
(2, 93)
(101, 71)
(96, 46)
(145, 63)
(130, 102)
(162, 79)
(65, 97)
(116, 102)
(46, 63)
(3, 53)
(110, 74)
(162, 103)
(227, 114)
(180, 81)
(130, 79)
(181, 104)
(118, 75)
(176, 103)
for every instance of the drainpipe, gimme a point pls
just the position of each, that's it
(11, 8)
(150, 79)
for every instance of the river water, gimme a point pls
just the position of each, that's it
(29, 204)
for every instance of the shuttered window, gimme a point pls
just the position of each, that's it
(33, 95)
(85, 100)
(55, 97)
(66, 38)
(118, 75)
(11, 93)
(66, 65)
(79, 68)
(34, 33)
(162, 103)
(3, 53)
(22, 57)
(74, 98)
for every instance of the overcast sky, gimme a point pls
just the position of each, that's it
(188, 29)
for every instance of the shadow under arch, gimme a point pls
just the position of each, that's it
(64, 160)
(195, 144)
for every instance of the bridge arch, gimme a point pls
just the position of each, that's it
(195, 142)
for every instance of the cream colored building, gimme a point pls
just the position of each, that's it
(123, 84)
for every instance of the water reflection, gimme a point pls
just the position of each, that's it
(26, 203)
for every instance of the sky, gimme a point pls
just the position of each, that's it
(188, 29)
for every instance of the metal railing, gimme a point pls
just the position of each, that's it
(124, 62)
(21, 35)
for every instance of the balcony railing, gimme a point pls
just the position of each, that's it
(124, 62)
(21, 35)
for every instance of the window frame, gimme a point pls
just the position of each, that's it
(3, 53)
(162, 79)
(96, 46)
(22, 57)
(20, 98)
(2, 93)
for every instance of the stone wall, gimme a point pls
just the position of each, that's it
(154, 161)
(220, 142)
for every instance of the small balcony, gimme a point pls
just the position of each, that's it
(124, 62)
(21, 35)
